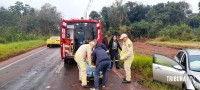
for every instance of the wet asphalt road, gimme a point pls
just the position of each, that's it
(43, 69)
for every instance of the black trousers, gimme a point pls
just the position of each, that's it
(114, 55)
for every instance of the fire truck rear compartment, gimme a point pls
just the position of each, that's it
(80, 33)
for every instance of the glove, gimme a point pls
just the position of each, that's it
(92, 66)
(88, 62)
(107, 51)
(122, 58)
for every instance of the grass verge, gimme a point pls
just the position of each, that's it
(142, 72)
(12, 49)
(176, 44)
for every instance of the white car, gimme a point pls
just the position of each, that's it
(182, 71)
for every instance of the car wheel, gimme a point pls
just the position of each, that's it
(89, 81)
(66, 61)
(47, 45)
(50, 45)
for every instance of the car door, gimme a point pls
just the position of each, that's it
(167, 70)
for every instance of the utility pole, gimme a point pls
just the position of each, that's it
(87, 8)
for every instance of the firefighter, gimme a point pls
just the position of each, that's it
(82, 55)
(127, 55)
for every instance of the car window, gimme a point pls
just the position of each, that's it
(183, 61)
(179, 55)
(163, 60)
(194, 62)
(81, 37)
(54, 38)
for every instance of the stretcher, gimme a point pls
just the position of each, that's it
(90, 73)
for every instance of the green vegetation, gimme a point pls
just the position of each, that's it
(21, 22)
(181, 32)
(176, 44)
(12, 49)
(142, 65)
(173, 20)
(23, 28)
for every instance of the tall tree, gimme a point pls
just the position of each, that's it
(94, 15)
(28, 10)
(17, 8)
(49, 19)
(136, 12)
(194, 21)
(170, 12)
(117, 14)
(6, 18)
(21, 11)
(199, 5)
(104, 14)
(22, 22)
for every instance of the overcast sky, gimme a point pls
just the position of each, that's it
(76, 8)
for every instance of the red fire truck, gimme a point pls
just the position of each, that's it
(75, 32)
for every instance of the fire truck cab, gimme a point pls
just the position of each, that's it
(75, 32)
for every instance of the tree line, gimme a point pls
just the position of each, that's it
(168, 20)
(23, 22)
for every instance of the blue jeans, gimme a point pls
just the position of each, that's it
(102, 66)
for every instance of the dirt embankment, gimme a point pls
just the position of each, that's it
(142, 48)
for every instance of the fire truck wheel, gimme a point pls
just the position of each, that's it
(66, 61)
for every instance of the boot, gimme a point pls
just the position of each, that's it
(85, 86)
(116, 64)
(111, 65)
(125, 81)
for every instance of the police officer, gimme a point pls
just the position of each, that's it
(127, 55)
(82, 54)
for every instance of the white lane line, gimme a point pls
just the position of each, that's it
(48, 87)
(21, 59)
(59, 67)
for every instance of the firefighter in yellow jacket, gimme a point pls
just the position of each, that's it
(82, 55)
(127, 55)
